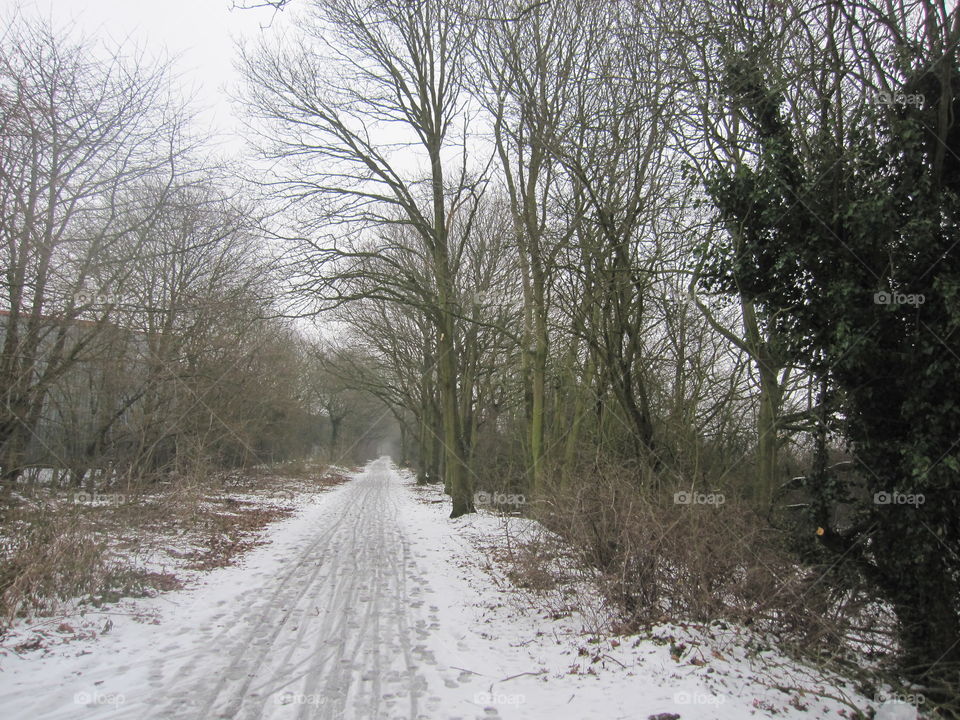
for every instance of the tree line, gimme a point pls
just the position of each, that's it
(605, 255)
(709, 241)
(138, 335)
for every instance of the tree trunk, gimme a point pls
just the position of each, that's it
(455, 470)
(334, 435)
(771, 399)
(579, 410)
(930, 626)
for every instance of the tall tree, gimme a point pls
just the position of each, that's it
(83, 137)
(365, 78)
(846, 220)
(525, 80)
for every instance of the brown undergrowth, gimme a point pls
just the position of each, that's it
(61, 546)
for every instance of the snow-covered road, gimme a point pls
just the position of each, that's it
(368, 604)
(332, 620)
(338, 633)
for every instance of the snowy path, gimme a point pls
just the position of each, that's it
(334, 627)
(367, 605)
(335, 634)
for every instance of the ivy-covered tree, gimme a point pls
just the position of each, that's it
(848, 237)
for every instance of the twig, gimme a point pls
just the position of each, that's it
(512, 677)
(615, 660)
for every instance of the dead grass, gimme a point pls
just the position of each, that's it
(231, 531)
(140, 538)
(625, 557)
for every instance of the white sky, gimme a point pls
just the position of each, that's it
(198, 34)
(200, 37)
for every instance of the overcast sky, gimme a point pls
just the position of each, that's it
(199, 34)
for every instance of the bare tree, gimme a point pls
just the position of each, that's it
(613, 147)
(326, 106)
(81, 137)
(527, 74)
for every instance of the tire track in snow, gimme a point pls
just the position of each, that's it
(340, 629)
(250, 651)
(289, 662)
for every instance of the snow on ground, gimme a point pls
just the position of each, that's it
(369, 603)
